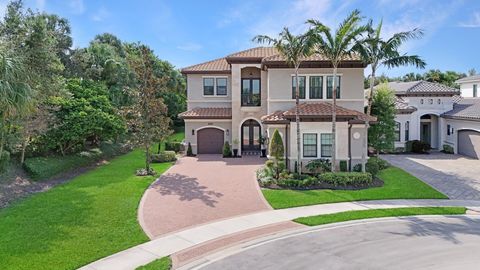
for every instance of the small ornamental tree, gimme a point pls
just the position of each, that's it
(277, 151)
(381, 136)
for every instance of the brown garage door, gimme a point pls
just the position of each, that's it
(469, 143)
(210, 141)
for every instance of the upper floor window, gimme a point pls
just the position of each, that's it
(474, 90)
(221, 86)
(301, 94)
(208, 86)
(330, 86)
(251, 92)
(397, 131)
(309, 145)
(316, 87)
(215, 86)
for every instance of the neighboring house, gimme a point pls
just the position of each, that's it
(469, 86)
(434, 113)
(249, 94)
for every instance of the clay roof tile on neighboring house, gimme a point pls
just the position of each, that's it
(466, 109)
(207, 113)
(421, 88)
(402, 107)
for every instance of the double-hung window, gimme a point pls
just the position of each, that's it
(208, 86)
(221, 86)
(397, 131)
(309, 145)
(301, 82)
(326, 144)
(475, 90)
(251, 92)
(330, 86)
(316, 87)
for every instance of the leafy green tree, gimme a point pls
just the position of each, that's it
(87, 115)
(277, 149)
(147, 116)
(377, 52)
(294, 48)
(337, 46)
(381, 136)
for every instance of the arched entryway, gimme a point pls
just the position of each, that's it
(210, 141)
(429, 132)
(250, 135)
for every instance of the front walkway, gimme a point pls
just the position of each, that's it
(165, 245)
(456, 176)
(201, 189)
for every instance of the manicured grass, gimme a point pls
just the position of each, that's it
(164, 263)
(398, 185)
(88, 218)
(378, 213)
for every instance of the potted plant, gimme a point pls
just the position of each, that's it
(236, 142)
(263, 144)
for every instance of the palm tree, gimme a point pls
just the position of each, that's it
(377, 52)
(294, 48)
(15, 93)
(337, 46)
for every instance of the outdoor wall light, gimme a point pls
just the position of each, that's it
(228, 132)
(193, 131)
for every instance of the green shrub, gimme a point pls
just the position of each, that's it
(227, 152)
(42, 168)
(189, 150)
(382, 164)
(173, 146)
(373, 166)
(447, 149)
(346, 178)
(417, 146)
(276, 146)
(4, 160)
(319, 166)
(299, 183)
(343, 166)
(164, 156)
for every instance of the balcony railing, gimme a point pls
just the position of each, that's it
(251, 100)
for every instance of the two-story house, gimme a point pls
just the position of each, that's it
(469, 86)
(249, 94)
(436, 114)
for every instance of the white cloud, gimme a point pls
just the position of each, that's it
(77, 6)
(190, 47)
(101, 14)
(474, 22)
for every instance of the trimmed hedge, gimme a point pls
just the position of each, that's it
(347, 178)
(417, 146)
(343, 166)
(174, 146)
(164, 156)
(448, 149)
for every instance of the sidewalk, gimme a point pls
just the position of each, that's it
(169, 244)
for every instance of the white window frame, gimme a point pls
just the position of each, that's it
(214, 86)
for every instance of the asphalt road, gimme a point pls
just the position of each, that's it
(408, 243)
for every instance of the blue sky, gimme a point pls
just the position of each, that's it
(190, 32)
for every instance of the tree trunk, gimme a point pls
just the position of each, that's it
(24, 147)
(159, 147)
(297, 119)
(2, 135)
(334, 120)
(147, 158)
(367, 124)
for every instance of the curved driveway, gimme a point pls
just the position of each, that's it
(201, 189)
(404, 243)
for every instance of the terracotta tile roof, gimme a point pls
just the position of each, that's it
(402, 107)
(421, 87)
(258, 52)
(215, 66)
(314, 57)
(467, 109)
(317, 110)
(469, 79)
(207, 113)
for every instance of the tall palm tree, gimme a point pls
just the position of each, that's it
(337, 46)
(294, 48)
(15, 93)
(378, 52)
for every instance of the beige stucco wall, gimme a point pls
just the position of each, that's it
(197, 125)
(195, 97)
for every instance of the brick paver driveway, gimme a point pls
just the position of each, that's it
(201, 189)
(456, 176)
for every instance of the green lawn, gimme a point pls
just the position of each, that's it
(378, 213)
(398, 185)
(88, 218)
(164, 263)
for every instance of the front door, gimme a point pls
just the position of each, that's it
(426, 133)
(250, 135)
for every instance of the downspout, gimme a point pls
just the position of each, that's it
(349, 147)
